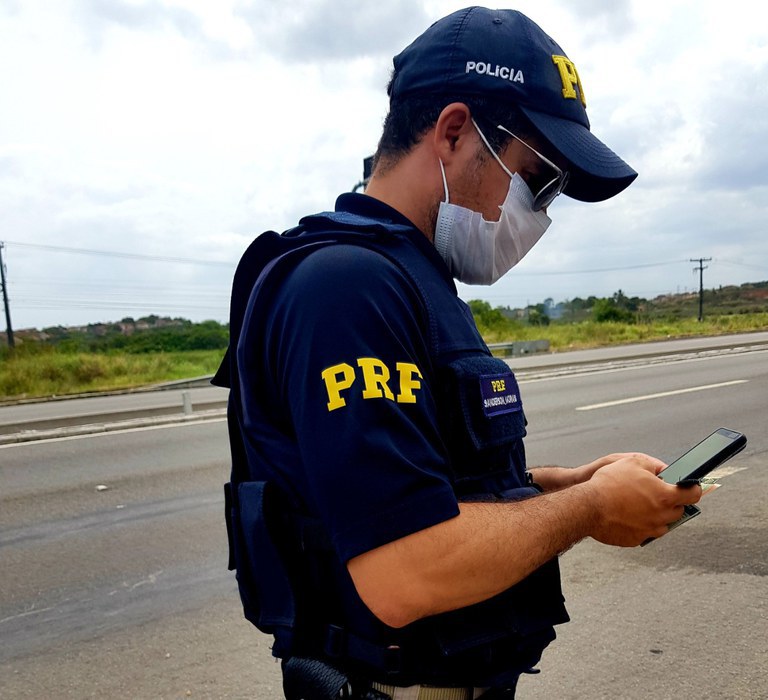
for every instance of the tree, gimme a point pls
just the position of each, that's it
(537, 315)
(490, 321)
(484, 314)
(606, 310)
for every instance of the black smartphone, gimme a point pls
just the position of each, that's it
(710, 453)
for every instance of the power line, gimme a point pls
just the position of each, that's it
(118, 293)
(69, 302)
(600, 269)
(125, 298)
(196, 261)
(31, 282)
(166, 306)
(741, 264)
(119, 254)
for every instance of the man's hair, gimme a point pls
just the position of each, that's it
(412, 116)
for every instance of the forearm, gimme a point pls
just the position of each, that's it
(489, 547)
(480, 553)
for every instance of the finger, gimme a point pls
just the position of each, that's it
(688, 492)
(655, 463)
(685, 494)
(693, 494)
(652, 464)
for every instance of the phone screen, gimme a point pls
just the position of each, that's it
(699, 455)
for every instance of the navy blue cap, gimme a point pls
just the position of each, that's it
(503, 55)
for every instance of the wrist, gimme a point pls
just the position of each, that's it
(591, 508)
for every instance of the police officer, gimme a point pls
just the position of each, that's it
(385, 527)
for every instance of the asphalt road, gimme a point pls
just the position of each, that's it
(122, 591)
(688, 614)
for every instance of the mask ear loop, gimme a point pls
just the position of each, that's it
(445, 182)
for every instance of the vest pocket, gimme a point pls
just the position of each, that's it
(483, 417)
(262, 578)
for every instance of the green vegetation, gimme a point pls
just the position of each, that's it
(592, 334)
(593, 322)
(103, 357)
(52, 372)
(150, 350)
(145, 335)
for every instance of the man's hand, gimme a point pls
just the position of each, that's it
(633, 504)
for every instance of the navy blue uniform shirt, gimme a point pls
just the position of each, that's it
(345, 419)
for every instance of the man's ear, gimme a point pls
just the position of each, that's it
(452, 129)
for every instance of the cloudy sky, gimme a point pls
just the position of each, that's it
(144, 143)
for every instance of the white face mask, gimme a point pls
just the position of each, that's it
(479, 251)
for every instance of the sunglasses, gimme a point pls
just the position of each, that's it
(544, 193)
(550, 190)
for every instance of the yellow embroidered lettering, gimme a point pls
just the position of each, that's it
(408, 382)
(376, 376)
(376, 380)
(570, 79)
(498, 385)
(337, 379)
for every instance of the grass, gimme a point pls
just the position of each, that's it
(34, 371)
(51, 373)
(590, 334)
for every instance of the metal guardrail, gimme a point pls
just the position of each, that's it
(190, 383)
(518, 348)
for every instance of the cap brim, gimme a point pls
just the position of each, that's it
(596, 172)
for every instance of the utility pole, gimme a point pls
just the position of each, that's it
(701, 269)
(11, 342)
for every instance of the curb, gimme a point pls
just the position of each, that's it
(95, 428)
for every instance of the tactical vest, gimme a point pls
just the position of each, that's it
(292, 584)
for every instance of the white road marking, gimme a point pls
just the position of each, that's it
(36, 611)
(660, 395)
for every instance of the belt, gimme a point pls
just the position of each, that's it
(426, 692)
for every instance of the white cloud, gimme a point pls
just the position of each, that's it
(318, 30)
